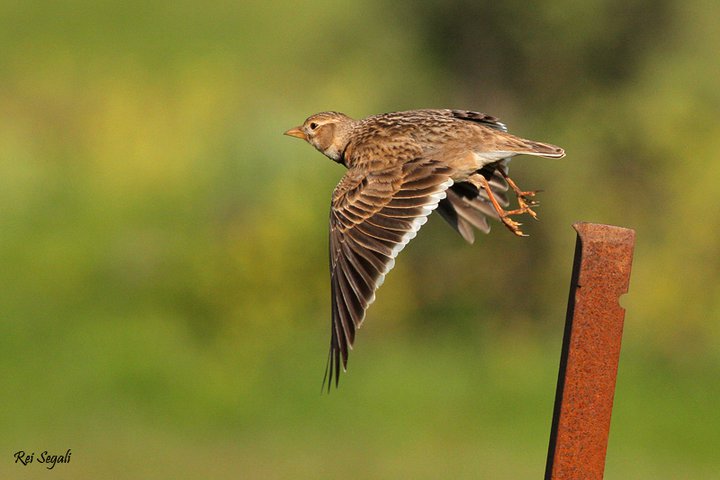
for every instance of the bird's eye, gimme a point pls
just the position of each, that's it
(313, 126)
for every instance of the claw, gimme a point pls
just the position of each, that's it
(525, 202)
(525, 207)
(512, 225)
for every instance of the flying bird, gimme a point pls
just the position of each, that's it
(400, 167)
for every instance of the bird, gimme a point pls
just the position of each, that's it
(402, 166)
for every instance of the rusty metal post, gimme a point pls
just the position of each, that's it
(590, 353)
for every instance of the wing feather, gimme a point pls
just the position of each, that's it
(465, 206)
(374, 214)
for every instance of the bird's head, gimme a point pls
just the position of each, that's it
(329, 132)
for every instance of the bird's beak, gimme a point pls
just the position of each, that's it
(296, 132)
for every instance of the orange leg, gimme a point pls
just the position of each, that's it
(524, 197)
(511, 224)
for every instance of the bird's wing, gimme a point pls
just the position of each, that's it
(373, 216)
(483, 118)
(466, 206)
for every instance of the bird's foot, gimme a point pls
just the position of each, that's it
(511, 224)
(525, 198)
(525, 204)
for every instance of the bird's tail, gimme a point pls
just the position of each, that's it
(542, 149)
(509, 144)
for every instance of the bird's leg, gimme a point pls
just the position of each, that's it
(511, 224)
(525, 200)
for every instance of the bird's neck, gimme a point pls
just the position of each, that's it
(339, 149)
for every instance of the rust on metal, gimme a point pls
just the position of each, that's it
(590, 352)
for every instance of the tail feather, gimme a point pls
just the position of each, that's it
(543, 149)
(508, 144)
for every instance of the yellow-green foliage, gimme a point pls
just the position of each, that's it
(163, 267)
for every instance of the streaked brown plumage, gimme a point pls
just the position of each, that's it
(402, 166)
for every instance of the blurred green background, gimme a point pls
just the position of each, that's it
(165, 294)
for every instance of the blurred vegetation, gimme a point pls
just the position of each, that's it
(165, 298)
